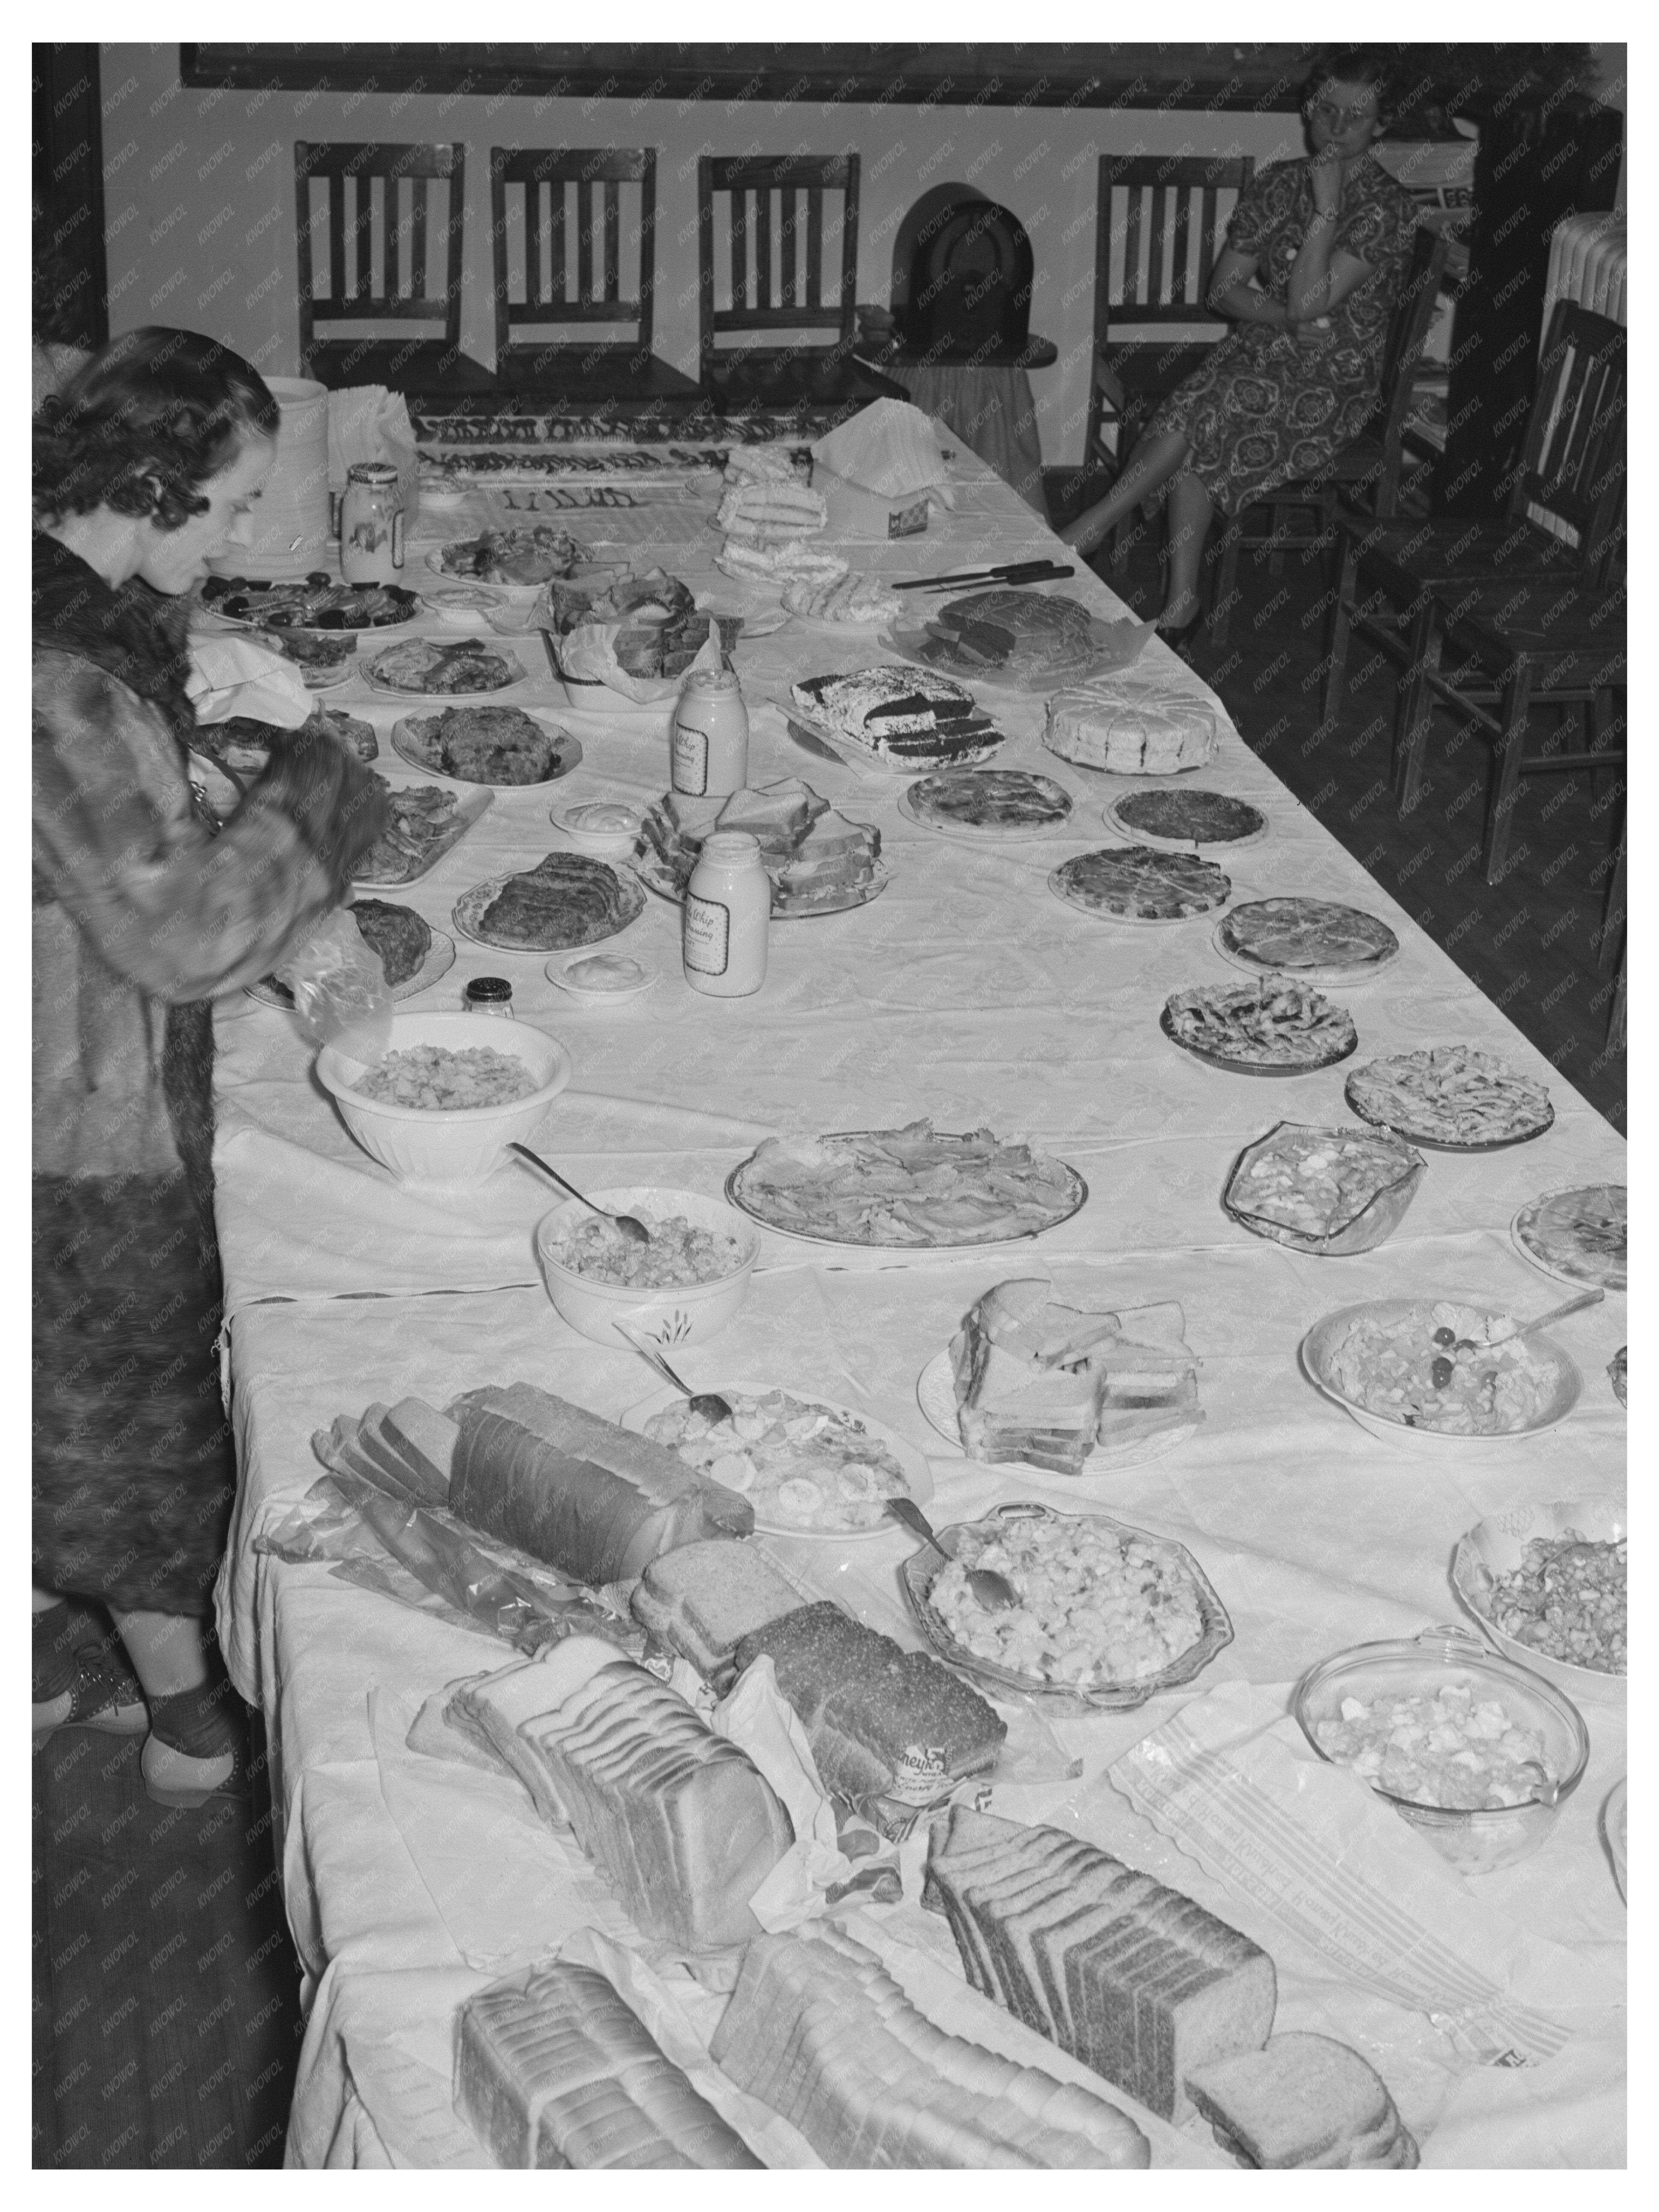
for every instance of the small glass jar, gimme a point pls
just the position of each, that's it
(371, 525)
(728, 909)
(488, 995)
(709, 737)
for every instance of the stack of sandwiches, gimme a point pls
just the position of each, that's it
(815, 858)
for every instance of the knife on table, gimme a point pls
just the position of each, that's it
(1013, 571)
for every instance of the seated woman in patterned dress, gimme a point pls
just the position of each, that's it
(1316, 252)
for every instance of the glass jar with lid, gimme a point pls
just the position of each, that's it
(371, 525)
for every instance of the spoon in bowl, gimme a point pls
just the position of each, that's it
(994, 1592)
(627, 1226)
(708, 1403)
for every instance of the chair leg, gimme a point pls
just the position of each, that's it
(1613, 910)
(1336, 644)
(1414, 707)
(1225, 573)
(1505, 785)
(1598, 729)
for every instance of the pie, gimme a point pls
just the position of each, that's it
(1285, 1029)
(489, 744)
(910, 1187)
(565, 901)
(420, 664)
(1310, 937)
(1582, 1234)
(1452, 1095)
(1186, 818)
(901, 715)
(528, 555)
(425, 821)
(1134, 883)
(995, 799)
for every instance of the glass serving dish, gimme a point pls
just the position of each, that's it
(1614, 1823)
(1496, 1545)
(1477, 1841)
(919, 1572)
(1359, 1228)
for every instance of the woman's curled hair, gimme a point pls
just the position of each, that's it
(1371, 66)
(144, 424)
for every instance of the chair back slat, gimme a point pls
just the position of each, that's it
(596, 292)
(815, 246)
(1572, 459)
(419, 187)
(336, 258)
(352, 177)
(1161, 195)
(612, 241)
(363, 227)
(389, 238)
(762, 250)
(584, 243)
(559, 285)
(740, 202)
(787, 227)
(764, 195)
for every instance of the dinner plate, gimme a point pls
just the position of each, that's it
(470, 905)
(567, 755)
(1590, 1267)
(1132, 834)
(907, 638)
(323, 679)
(439, 959)
(1230, 1067)
(1077, 1193)
(936, 1395)
(255, 621)
(655, 874)
(469, 812)
(913, 1463)
(557, 972)
(988, 833)
(441, 699)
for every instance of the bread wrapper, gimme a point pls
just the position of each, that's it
(588, 656)
(890, 448)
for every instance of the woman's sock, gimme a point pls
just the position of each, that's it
(53, 1661)
(202, 1723)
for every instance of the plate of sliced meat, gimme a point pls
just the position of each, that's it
(1133, 882)
(498, 745)
(566, 900)
(426, 822)
(462, 668)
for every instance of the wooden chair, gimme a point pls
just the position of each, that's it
(1165, 199)
(389, 286)
(570, 203)
(1371, 464)
(764, 195)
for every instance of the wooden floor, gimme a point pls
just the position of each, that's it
(167, 2021)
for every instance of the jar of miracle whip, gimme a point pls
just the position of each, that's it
(728, 909)
(709, 739)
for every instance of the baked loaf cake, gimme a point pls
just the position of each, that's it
(1133, 1978)
(565, 901)
(1302, 2100)
(703, 1599)
(1128, 729)
(900, 714)
(679, 1819)
(882, 1721)
(819, 2030)
(1041, 1382)
(581, 1493)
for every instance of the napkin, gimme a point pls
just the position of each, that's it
(890, 447)
(369, 423)
(231, 675)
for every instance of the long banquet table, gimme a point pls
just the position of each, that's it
(969, 993)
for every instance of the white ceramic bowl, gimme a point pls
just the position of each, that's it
(457, 1145)
(1494, 1547)
(689, 1314)
(1325, 1339)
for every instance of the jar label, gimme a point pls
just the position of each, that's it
(708, 936)
(690, 761)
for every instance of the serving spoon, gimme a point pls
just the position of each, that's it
(989, 1589)
(708, 1403)
(629, 1227)
(1445, 1337)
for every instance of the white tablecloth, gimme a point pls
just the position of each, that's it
(970, 993)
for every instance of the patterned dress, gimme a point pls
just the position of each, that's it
(1266, 409)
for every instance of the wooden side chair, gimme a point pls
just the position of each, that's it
(1369, 469)
(379, 270)
(1167, 201)
(772, 243)
(559, 216)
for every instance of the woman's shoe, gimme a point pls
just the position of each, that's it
(103, 1695)
(179, 1779)
(1181, 638)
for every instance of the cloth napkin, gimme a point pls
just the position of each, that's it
(890, 447)
(231, 675)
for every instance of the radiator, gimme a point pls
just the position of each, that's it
(1587, 265)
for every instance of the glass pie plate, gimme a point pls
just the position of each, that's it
(1494, 1547)
(919, 1572)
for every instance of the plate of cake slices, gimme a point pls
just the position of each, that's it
(1581, 1235)
(893, 717)
(413, 954)
(818, 861)
(1452, 1098)
(565, 902)
(421, 667)
(987, 805)
(318, 604)
(911, 1189)
(502, 746)
(1029, 1382)
(1314, 940)
(1276, 1028)
(1141, 883)
(426, 822)
(522, 558)
(1183, 820)
(1013, 638)
(808, 1466)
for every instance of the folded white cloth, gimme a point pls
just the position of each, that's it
(231, 675)
(890, 447)
(369, 423)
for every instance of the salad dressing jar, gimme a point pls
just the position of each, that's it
(728, 910)
(709, 737)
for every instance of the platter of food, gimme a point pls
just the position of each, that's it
(241, 745)
(1280, 1028)
(1451, 1098)
(1449, 1371)
(1182, 820)
(910, 1189)
(317, 605)
(1107, 1614)
(818, 861)
(895, 718)
(656, 628)
(1018, 639)
(412, 953)
(1137, 884)
(426, 822)
(936, 1395)
(1332, 1192)
(503, 746)
(427, 667)
(523, 558)
(565, 902)
(808, 1466)
(1313, 940)
(988, 805)
(1580, 1236)
(851, 600)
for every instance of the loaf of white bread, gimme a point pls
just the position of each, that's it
(1134, 1980)
(1040, 1382)
(553, 2070)
(820, 2031)
(882, 1721)
(1302, 2100)
(1123, 725)
(407, 1449)
(679, 1821)
(702, 1600)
